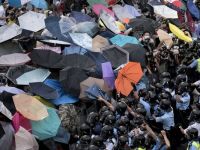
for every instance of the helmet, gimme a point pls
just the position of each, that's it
(163, 95)
(93, 147)
(181, 78)
(141, 111)
(97, 140)
(122, 130)
(158, 87)
(106, 131)
(165, 75)
(85, 129)
(139, 140)
(92, 118)
(192, 133)
(104, 108)
(143, 93)
(85, 139)
(121, 107)
(152, 96)
(181, 69)
(195, 115)
(105, 114)
(165, 104)
(183, 87)
(109, 120)
(122, 140)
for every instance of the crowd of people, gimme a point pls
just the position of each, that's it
(162, 111)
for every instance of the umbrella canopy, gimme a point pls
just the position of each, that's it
(7, 141)
(2, 132)
(4, 112)
(8, 32)
(62, 136)
(74, 49)
(32, 21)
(116, 55)
(30, 107)
(9, 47)
(70, 79)
(15, 72)
(136, 53)
(134, 12)
(63, 98)
(84, 85)
(99, 42)
(165, 37)
(93, 2)
(42, 46)
(131, 73)
(10, 89)
(121, 40)
(41, 89)
(47, 127)
(45, 102)
(108, 75)
(37, 75)
(81, 17)
(14, 59)
(97, 8)
(24, 140)
(56, 42)
(42, 4)
(193, 9)
(82, 39)
(165, 11)
(17, 3)
(179, 33)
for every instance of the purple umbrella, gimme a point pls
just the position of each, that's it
(12, 90)
(108, 74)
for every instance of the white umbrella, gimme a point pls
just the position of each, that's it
(56, 42)
(8, 32)
(32, 21)
(165, 11)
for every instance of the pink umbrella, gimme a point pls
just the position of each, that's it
(98, 7)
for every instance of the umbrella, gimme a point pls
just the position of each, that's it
(37, 75)
(14, 59)
(19, 120)
(55, 42)
(10, 89)
(93, 2)
(32, 21)
(82, 39)
(81, 17)
(132, 11)
(7, 100)
(44, 101)
(47, 127)
(42, 46)
(14, 72)
(62, 136)
(121, 40)
(109, 22)
(108, 74)
(25, 140)
(99, 42)
(137, 53)
(8, 32)
(179, 33)
(74, 49)
(128, 75)
(17, 3)
(7, 141)
(9, 47)
(2, 132)
(116, 55)
(41, 89)
(70, 79)
(84, 85)
(4, 112)
(165, 11)
(42, 4)
(30, 107)
(66, 24)
(97, 8)
(165, 37)
(193, 9)
(63, 98)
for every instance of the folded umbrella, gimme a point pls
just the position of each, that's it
(121, 40)
(128, 75)
(116, 55)
(99, 42)
(137, 53)
(8, 32)
(30, 107)
(70, 79)
(41, 89)
(165, 37)
(32, 21)
(63, 98)
(74, 49)
(37, 75)
(165, 11)
(47, 127)
(14, 72)
(14, 59)
(42, 4)
(108, 75)
(10, 89)
(86, 84)
(97, 8)
(24, 140)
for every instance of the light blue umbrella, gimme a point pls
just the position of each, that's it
(42, 4)
(15, 3)
(122, 40)
(47, 127)
(37, 75)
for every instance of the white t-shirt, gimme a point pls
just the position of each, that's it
(2, 14)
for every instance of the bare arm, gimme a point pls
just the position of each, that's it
(152, 133)
(107, 104)
(167, 142)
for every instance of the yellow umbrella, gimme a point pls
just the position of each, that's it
(179, 33)
(30, 107)
(165, 37)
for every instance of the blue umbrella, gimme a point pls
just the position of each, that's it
(42, 4)
(81, 17)
(63, 98)
(47, 127)
(74, 49)
(14, 3)
(193, 9)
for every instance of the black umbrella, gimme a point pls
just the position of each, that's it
(41, 89)
(136, 53)
(70, 79)
(14, 72)
(116, 55)
(9, 47)
(2, 132)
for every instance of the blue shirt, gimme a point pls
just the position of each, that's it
(194, 64)
(159, 145)
(185, 102)
(147, 107)
(167, 120)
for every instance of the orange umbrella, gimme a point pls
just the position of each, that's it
(30, 107)
(131, 73)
